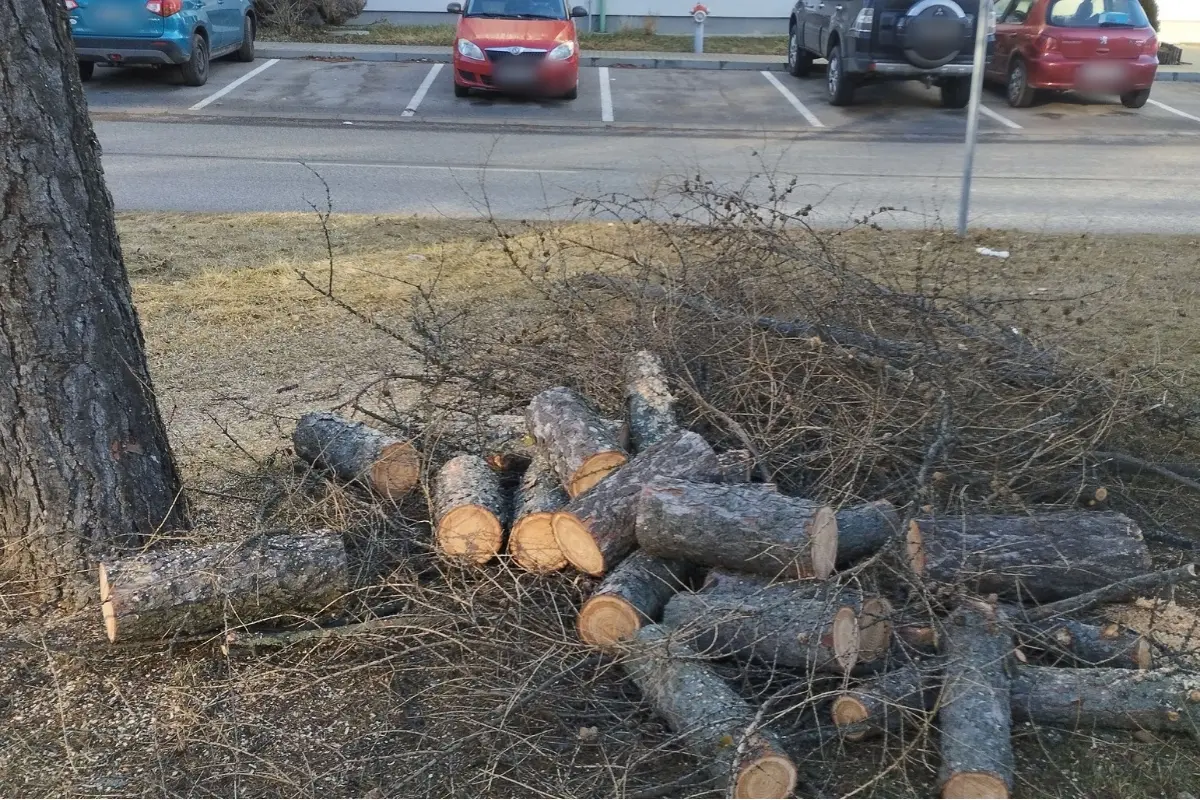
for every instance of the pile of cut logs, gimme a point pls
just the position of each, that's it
(699, 563)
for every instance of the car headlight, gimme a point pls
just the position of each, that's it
(468, 49)
(562, 52)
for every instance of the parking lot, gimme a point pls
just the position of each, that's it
(625, 99)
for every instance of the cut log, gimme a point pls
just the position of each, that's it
(746, 527)
(916, 637)
(503, 440)
(1084, 645)
(884, 702)
(188, 590)
(799, 624)
(540, 494)
(470, 510)
(649, 405)
(1154, 700)
(355, 452)
(579, 443)
(632, 595)
(714, 723)
(974, 718)
(737, 466)
(1114, 592)
(863, 530)
(596, 531)
(1041, 557)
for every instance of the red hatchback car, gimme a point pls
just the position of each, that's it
(1103, 46)
(520, 46)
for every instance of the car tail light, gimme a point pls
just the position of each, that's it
(1046, 44)
(864, 22)
(164, 8)
(1149, 47)
(71, 5)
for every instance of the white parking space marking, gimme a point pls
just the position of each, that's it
(1176, 111)
(422, 90)
(795, 101)
(606, 108)
(1003, 120)
(233, 85)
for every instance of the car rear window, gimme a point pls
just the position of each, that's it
(1097, 14)
(533, 9)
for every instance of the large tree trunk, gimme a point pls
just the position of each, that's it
(974, 717)
(185, 590)
(749, 527)
(631, 596)
(715, 724)
(1039, 557)
(354, 451)
(581, 446)
(1156, 700)
(649, 405)
(597, 530)
(85, 468)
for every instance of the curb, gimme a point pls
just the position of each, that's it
(441, 55)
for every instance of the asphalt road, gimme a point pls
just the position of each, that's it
(257, 142)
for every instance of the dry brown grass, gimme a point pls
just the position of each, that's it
(486, 693)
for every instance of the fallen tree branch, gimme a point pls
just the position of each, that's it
(1123, 462)
(1115, 592)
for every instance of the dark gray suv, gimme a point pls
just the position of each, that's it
(877, 40)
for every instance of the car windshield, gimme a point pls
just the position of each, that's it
(1097, 14)
(517, 9)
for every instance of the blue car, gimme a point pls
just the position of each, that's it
(184, 34)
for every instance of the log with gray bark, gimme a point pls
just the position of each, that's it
(713, 721)
(746, 527)
(1153, 700)
(1081, 644)
(186, 590)
(503, 440)
(1039, 557)
(800, 624)
(1114, 592)
(886, 701)
(737, 466)
(632, 595)
(596, 531)
(975, 722)
(580, 445)
(649, 404)
(863, 530)
(531, 542)
(356, 452)
(470, 510)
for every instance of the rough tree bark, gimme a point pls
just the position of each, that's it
(714, 722)
(885, 701)
(531, 541)
(85, 467)
(649, 405)
(631, 596)
(1083, 645)
(863, 530)
(578, 441)
(470, 510)
(1155, 700)
(356, 452)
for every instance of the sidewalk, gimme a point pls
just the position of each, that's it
(1188, 71)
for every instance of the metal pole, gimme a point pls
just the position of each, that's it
(981, 26)
(698, 39)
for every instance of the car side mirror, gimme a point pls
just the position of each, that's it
(454, 8)
(579, 11)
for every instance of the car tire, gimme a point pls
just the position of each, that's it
(460, 90)
(956, 92)
(1018, 91)
(799, 60)
(839, 84)
(194, 71)
(88, 68)
(572, 93)
(1135, 99)
(245, 53)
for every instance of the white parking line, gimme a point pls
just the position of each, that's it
(221, 93)
(795, 101)
(1003, 120)
(422, 90)
(606, 112)
(1176, 111)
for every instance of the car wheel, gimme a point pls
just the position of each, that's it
(1135, 99)
(194, 71)
(956, 93)
(246, 51)
(460, 90)
(572, 93)
(1020, 93)
(88, 68)
(841, 87)
(799, 60)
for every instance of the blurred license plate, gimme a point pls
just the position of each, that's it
(1101, 73)
(516, 72)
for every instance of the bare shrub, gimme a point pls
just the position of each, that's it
(289, 15)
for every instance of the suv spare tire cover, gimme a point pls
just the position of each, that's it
(932, 32)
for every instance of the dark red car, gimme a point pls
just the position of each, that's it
(1101, 46)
